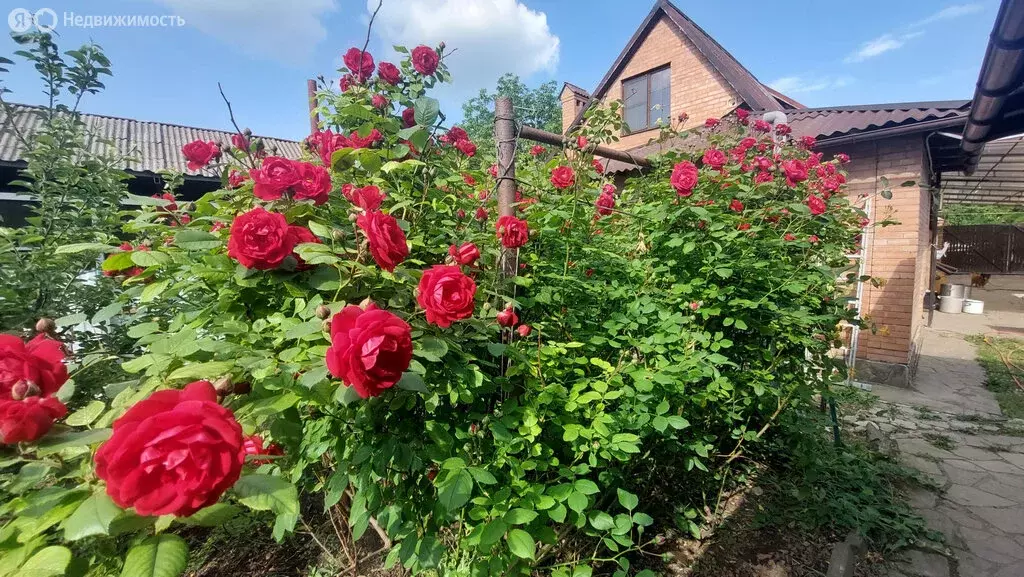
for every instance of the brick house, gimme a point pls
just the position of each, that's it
(670, 66)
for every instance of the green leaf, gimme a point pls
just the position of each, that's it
(69, 439)
(163, 555)
(84, 247)
(482, 476)
(347, 395)
(71, 320)
(210, 370)
(47, 562)
(314, 376)
(118, 261)
(267, 493)
(196, 240)
(496, 349)
(456, 489)
(886, 194)
(86, 415)
(212, 516)
(577, 501)
(143, 329)
(521, 544)
(411, 381)
(627, 499)
(907, 183)
(493, 532)
(106, 313)
(586, 486)
(431, 348)
(426, 110)
(147, 258)
(153, 290)
(601, 521)
(558, 513)
(520, 516)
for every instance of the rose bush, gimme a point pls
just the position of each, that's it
(478, 421)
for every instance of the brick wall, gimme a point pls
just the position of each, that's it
(696, 87)
(899, 254)
(571, 105)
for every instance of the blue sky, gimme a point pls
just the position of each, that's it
(819, 52)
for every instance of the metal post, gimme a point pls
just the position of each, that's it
(505, 138)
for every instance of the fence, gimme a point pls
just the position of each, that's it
(985, 248)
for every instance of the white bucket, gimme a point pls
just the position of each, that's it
(974, 307)
(951, 305)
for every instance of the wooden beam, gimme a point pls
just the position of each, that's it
(545, 137)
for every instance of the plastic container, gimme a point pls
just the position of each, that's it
(951, 305)
(957, 291)
(974, 307)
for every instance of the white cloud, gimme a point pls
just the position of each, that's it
(950, 13)
(876, 47)
(284, 31)
(490, 37)
(799, 84)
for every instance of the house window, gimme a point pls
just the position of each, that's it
(647, 99)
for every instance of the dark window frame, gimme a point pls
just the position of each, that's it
(647, 74)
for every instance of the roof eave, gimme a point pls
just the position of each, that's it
(901, 130)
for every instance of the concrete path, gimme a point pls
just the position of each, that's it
(950, 428)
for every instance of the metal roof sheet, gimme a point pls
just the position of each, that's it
(147, 146)
(824, 123)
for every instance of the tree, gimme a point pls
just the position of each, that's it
(538, 107)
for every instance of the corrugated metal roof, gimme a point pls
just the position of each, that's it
(148, 146)
(577, 90)
(998, 179)
(824, 123)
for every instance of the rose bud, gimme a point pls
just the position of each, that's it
(432, 474)
(508, 317)
(524, 330)
(45, 325)
(223, 385)
(24, 389)
(486, 307)
(323, 311)
(461, 214)
(694, 305)
(326, 326)
(473, 428)
(338, 234)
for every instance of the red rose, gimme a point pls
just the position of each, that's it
(524, 330)
(387, 241)
(762, 126)
(711, 123)
(260, 239)
(796, 171)
(370, 349)
(346, 82)
(782, 129)
(240, 142)
(236, 179)
(563, 177)
(424, 60)
(789, 236)
(813, 239)
(254, 445)
(742, 115)
(446, 294)
(816, 204)
(466, 147)
(40, 362)
(763, 177)
(314, 183)
(683, 117)
(493, 171)
(843, 158)
(464, 254)
(537, 150)
(325, 143)
(217, 226)
(608, 189)
(714, 158)
(359, 62)
(508, 317)
(408, 117)
(605, 203)
(468, 179)
(379, 101)
(172, 453)
(598, 167)
(389, 73)
(743, 226)
(368, 198)
(461, 214)
(807, 142)
(356, 141)
(199, 153)
(581, 142)
(512, 232)
(29, 419)
(736, 205)
(454, 134)
(684, 178)
(748, 143)
(763, 163)
(275, 177)
(300, 235)
(481, 213)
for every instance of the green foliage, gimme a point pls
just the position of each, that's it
(965, 214)
(538, 107)
(1000, 376)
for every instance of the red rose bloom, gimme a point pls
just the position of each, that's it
(260, 239)
(28, 420)
(314, 183)
(524, 330)
(199, 153)
(736, 205)
(782, 129)
(346, 82)
(389, 73)
(464, 254)
(508, 317)
(387, 241)
(512, 232)
(446, 294)
(684, 178)
(743, 226)
(608, 189)
(683, 117)
(598, 167)
(454, 134)
(742, 114)
(816, 204)
(711, 123)
(762, 126)
(748, 143)
(461, 214)
(807, 142)
(537, 150)
(254, 445)
(368, 198)
(240, 142)
(172, 453)
(714, 158)
(493, 171)
(356, 141)
(466, 147)
(325, 143)
(216, 226)
(763, 163)
(468, 179)
(605, 203)
(813, 239)
(424, 60)
(408, 117)
(379, 101)
(481, 213)
(359, 62)
(39, 362)
(562, 177)
(763, 177)
(236, 179)
(796, 171)
(275, 177)
(581, 142)
(843, 158)
(789, 237)
(370, 349)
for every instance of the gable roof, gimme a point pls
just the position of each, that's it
(148, 146)
(750, 90)
(575, 90)
(829, 124)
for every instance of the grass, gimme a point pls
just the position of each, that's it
(999, 378)
(940, 441)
